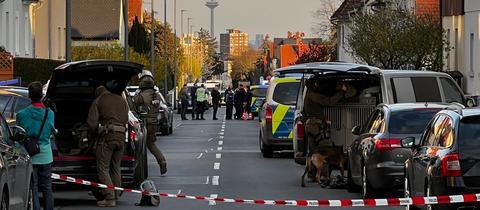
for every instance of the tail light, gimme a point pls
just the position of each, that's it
(451, 165)
(300, 130)
(386, 145)
(269, 114)
(133, 135)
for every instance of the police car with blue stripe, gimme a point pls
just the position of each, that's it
(277, 115)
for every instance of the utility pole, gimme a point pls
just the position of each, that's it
(68, 25)
(181, 30)
(165, 84)
(152, 41)
(125, 20)
(175, 65)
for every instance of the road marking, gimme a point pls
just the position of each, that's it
(208, 180)
(199, 156)
(220, 137)
(212, 203)
(221, 133)
(215, 180)
(210, 139)
(218, 156)
(220, 143)
(219, 148)
(216, 166)
(223, 130)
(180, 191)
(178, 125)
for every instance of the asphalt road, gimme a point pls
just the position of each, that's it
(210, 158)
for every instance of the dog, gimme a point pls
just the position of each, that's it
(323, 159)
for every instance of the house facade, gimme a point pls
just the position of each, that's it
(16, 27)
(49, 29)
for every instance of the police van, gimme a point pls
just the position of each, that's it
(277, 114)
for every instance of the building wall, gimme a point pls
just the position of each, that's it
(15, 28)
(343, 50)
(427, 7)
(234, 42)
(49, 29)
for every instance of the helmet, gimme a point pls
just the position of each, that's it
(146, 82)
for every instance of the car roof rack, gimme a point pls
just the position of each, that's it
(455, 106)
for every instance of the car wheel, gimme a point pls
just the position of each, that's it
(367, 191)
(266, 150)
(351, 187)
(4, 202)
(30, 195)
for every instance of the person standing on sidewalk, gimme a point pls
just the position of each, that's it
(185, 100)
(31, 119)
(229, 99)
(108, 117)
(216, 98)
(201, 101)
(193, 98)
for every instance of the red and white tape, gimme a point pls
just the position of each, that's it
(447, 199)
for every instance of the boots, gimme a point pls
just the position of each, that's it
(163, 168)
(106, 203)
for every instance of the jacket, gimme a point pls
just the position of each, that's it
(216, 97)
(201, 94)
(149, 99)
(108, 108)
(184, 94)
(229, 96)
(31, 119)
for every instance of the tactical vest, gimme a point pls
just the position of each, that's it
(151, 103)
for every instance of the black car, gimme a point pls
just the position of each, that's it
(446, 160)
(165, 117)
(12, 100)
(70, 94)
(16, 172)
(376, 159)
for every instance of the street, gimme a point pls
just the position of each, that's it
(205, 159)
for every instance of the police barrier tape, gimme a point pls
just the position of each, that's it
(446, 199)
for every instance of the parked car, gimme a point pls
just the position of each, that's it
(372, 87)
(16, 176)
(70, 93)
(276, 118)
(12, 100)
(376, 159)
(165, 117)
(259, 93)
(446, 160)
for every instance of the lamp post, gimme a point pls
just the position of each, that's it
(165, 36)
(175, 54)
(181, 24)
(125, 22)
(152, 41)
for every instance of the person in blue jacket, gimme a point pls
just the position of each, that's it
(31, 119)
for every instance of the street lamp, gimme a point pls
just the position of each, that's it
(165, 84)
(152, 40)
(182, 11)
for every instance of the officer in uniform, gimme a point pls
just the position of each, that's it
(148, 101)
(108, 116)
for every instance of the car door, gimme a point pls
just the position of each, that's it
(372, 127)
(422, 155)
(11, 157)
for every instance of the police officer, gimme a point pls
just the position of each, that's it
(229, 95)
(148, 101)
(201, 96)
(108, 116)
(185, 100)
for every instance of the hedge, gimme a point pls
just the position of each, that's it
(32, 69)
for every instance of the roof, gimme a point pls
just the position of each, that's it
(342, 13)
(258, 86)
(96, 19)
(326, 67)
(278, 80)
(13, 93)
(417, 72)
(99, 62)
(409, 106)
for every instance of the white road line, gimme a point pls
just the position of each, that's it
(220, 143)
(223, 130)
(215, 180)
(178, 125)
(216, 166)
(221, 133)
(219, 148)
(220, 137)
(210, 139)
(179, 192)
(212, 203)
(218, 156)
(208, 180)
(199, 156)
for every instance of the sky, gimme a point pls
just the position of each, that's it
(272, 17)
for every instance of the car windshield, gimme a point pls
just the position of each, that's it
(259, 92)
(468, 133)
(286, 93)
(410, 121)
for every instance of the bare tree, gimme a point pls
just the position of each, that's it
(322, 26)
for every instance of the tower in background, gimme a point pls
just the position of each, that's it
(212, 4)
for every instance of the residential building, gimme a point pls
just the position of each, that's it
(461, 19)
(342, 17)
(233, 43)
(16, 26)
(257, 43)
(49, 29)
(287, 50)
(101, 22)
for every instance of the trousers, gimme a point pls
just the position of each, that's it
(151, 138)
(109, 156)
(42, 182)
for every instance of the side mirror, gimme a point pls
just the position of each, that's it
(356, 130)
(19, 134)
(408, 142)
(470, 102)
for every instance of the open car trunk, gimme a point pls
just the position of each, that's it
(70, 93)
(342, 111)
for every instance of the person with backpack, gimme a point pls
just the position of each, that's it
(229, 101)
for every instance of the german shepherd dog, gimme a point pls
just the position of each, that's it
(324, 159)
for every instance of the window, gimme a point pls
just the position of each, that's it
(472, 53)
(433, 130)
(415, 89)
(446, 133)
(377, 123)
(456, 50)
(21, 103)
(286, 93)
(4, 131)
(449, 52)
(451, 91)
(3, 102)
(259, 92)
(469, 135)
(401, 122)
(7, 112)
